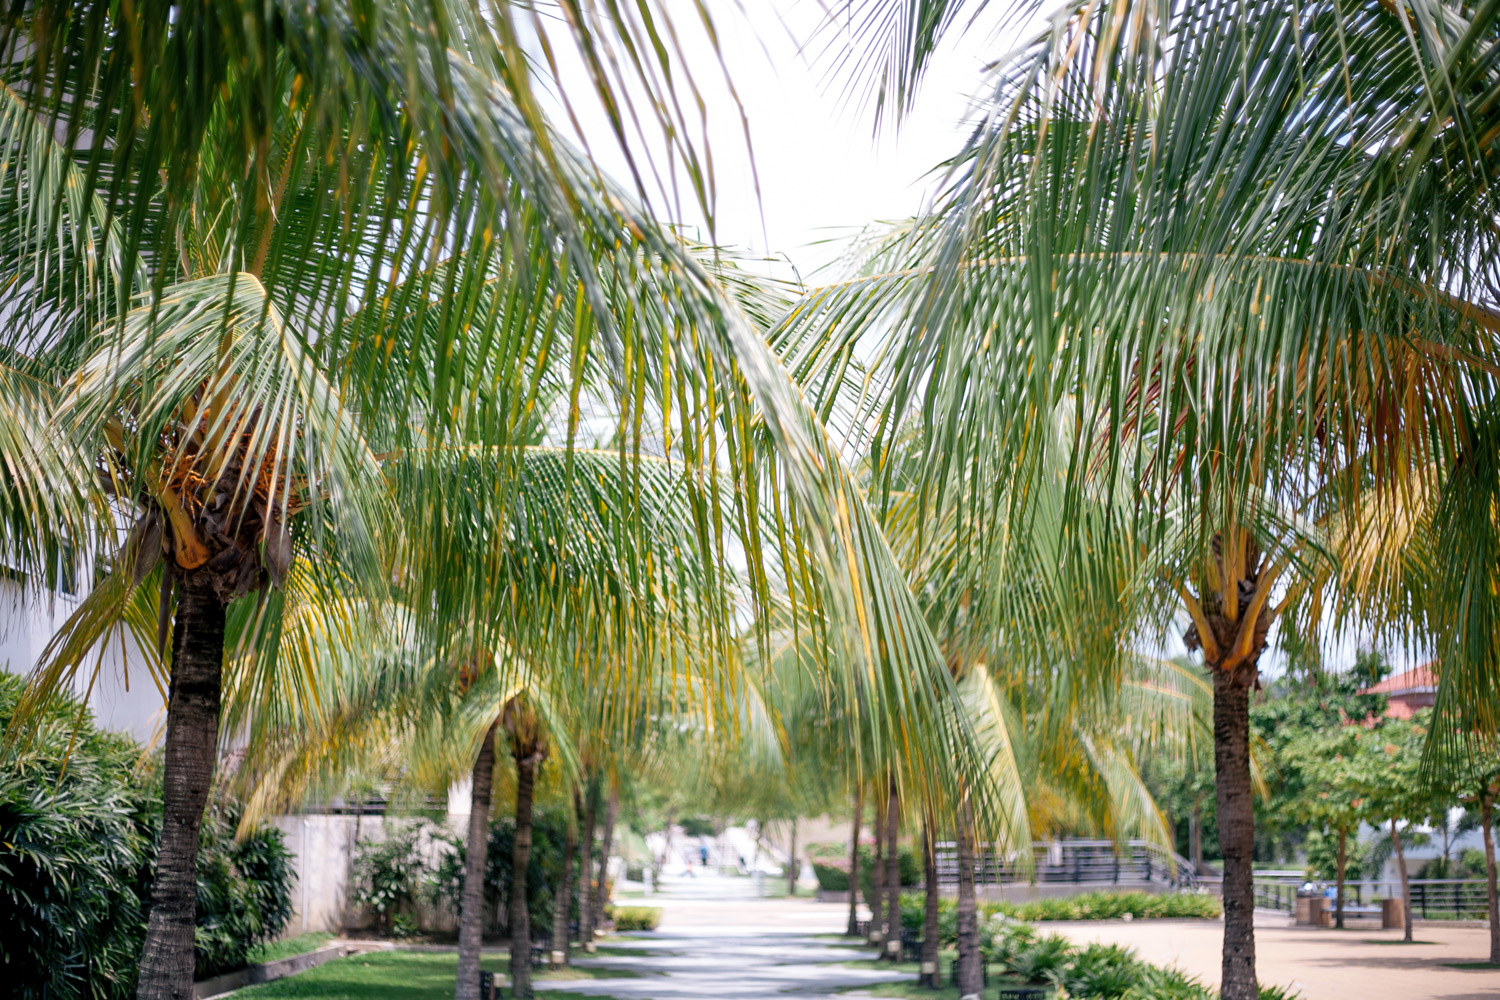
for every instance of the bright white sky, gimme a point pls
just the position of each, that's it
(823, 173)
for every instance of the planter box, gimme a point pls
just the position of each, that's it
(833, 895)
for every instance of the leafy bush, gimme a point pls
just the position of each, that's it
(75, 852)
(244, 892)
(1043, 960)
(1156, 983)
(830, 863)
(1114, 905)
(79, 819)
(389, 873)
(1101, 972)
(637, 918)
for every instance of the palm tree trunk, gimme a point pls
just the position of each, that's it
(1486, 823)
(1236, 829)
(791, 863)
(1338, 896)
(970, 971)
(562, 900)
(1195, 838)
(859, 805)
(929, 975)
(520, 911)
(601, 897)
(1405, 879)
(877, 878)
(583, 802)
(893, 876)
(471, 906)
(188, 772)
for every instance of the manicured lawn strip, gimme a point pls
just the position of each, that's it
(287, 947)
(403, 975)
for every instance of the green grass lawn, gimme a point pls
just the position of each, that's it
(406, 975)
(287, 947)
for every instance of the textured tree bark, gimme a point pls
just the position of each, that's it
(929, 907)
(893, 875)
(791, 863)
(859, 805)
(562, 900)
(877, 876)
(1236, 828)
(1338, 897)
(520, 912)
(1195, 838)
(193, 697)
(970, 969)
(583, 802)
(476, 849)
(1487, 824)
(601, 897)
(1405, 879)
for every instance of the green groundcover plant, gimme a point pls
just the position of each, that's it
(1095, 972)
(636, 918)
(80, 810)
(1084, 906)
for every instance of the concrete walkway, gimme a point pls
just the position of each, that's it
(718, 940)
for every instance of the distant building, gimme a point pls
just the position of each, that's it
(1407, 691)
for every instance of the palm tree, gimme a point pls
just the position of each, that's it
(296, 240)
(1242, 250)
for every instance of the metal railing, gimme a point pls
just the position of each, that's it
(1431, 898)
(1137, 862)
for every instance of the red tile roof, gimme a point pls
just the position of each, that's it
(1417, 680)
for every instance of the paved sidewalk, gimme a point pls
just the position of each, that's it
(1322, 964)
(719, 940)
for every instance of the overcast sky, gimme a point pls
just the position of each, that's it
(823, 174)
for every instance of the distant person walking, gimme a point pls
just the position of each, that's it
(703, 854)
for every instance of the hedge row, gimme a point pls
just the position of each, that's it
(1086, 906)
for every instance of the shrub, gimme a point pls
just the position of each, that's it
(1113, 905)
(542, 871)
(637, 918)
(831, 877)
(1156, 983)
(1043, 960)
(244, 892)
(906, 860)
(388, 873)
(79, 819)
(1101, 972)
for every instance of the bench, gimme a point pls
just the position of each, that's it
(911, 946)
(1352, 911)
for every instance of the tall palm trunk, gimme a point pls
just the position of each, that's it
(970, 969)
(859, 805)
(1405, 879)
(611, 808)
(583, 802)
(929, 976)
(188, 772)
(1195, 838)
(520, 912)
(562, 900)
(877, 877)
(476, 850)
(1236, 830)
(893, 875)
(1487, 824)
(1343, 860)
(791, 863)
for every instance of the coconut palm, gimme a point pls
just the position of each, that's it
(288, 240)
(1247, 252)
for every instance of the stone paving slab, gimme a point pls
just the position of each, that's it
(728, 966)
